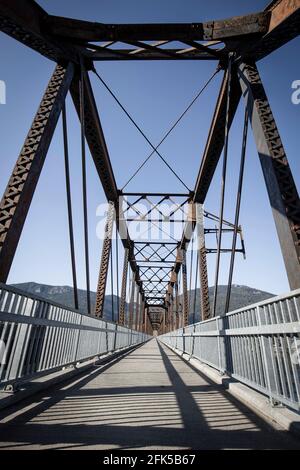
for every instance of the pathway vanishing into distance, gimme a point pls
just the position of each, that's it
(149, 399)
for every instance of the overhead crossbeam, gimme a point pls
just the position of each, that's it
(59, 38)
(86, 31)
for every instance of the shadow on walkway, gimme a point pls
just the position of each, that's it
(150, 399)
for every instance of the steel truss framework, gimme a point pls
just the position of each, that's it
(157, 267)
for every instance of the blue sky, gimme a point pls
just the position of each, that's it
(155, 93)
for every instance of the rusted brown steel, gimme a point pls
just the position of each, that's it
(284, 25)
(18, 195)
(86, 31)
(204, 292)
(61, 38)
(282, 191)
(95, 137)
(137, 308)
(182, 255)
(131, 302)
(22, 20)
(65, 39)
(215, 141)
(105, 257)
(124, 288)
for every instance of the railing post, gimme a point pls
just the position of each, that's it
(219, 328)
(115, 336)
(268, 359)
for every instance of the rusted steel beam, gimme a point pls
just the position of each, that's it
(85, 31)
(24, 21)
(282, 191)
(185, 313)
(104, 264)
(95, 137)
(97, 145)
(19, 192)
(122, 312)
(64, 39)
(158, 54)
(216, 136)
(284, 25)
(204, 292)
(132, 302)
(212, 151)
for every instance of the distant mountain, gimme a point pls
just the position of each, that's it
(241, 296)
(64, 295)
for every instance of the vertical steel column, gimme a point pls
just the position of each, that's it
(131, 302)
(176, 304)
(141, 315)
(124, 288)
(168, 317)
(137, 307)
(145, 312)
(172, 312)
(84, 187)
(282, 191)
(69, 205)
(18, 195)
(204, 292)
(237, 210)
(138, 317)
(106, 250)
(223, 185)
(185, 291)
(170, 307)
(164, 322)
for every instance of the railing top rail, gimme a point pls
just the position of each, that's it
(16, 290)
(271, 300)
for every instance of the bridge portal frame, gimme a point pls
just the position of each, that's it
(69, 43)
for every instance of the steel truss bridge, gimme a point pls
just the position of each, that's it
(257, 346)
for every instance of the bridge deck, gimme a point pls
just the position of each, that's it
(150, 399)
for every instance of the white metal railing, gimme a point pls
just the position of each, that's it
(38, 336)
(258, 345)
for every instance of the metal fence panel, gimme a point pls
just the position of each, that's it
(38, 336)
(258, 345)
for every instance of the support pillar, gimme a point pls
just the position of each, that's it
(185, 291)
(106, 251)
(282, 191)
(131, 302)
(204, 292)
(19, 192)
(177, 305)
(137, 308)
(124, 288)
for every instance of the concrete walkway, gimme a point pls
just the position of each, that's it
(150, 399)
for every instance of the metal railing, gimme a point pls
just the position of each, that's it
(258, 345)
(38, 337)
